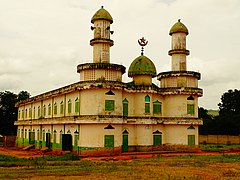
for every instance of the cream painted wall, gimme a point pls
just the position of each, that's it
(178, 134)
(142, 80)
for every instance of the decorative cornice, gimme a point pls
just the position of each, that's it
(178, 73)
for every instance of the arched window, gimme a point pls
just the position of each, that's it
(77, 107)
(147, 104)
(49, 109)
(157, 138)
(34, 112)
(125, 107)
(44, 110)
(30, 113)
(54, 136)
(190, 106)
(69, 106)
(39, 111)
(55, 108)
(157, 107)
(61, 107)
(26, 113)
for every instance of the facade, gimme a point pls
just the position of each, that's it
(100, 112)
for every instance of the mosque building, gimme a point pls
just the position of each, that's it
(101, 112)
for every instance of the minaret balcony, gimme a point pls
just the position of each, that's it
(178, 74)
(101, 40)
(181, 90)
(109, 66)
(178, 51)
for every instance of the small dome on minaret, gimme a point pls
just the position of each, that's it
(102, 14)
(178, 27)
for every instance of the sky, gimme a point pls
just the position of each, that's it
(43, 41)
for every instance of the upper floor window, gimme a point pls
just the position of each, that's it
(39, 111)
(19, 114)
(22, 113)
(30, 113)
(109, 105)
(157, 107)
(190, 106)
(49, 109)
(125, 107)
(61, 107)
(34, 111)
(55, 108)
(69, 106)
(77, 107)
(44, 110)
(26, 113)
(147, 104)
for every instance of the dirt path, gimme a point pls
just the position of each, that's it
(20, 153)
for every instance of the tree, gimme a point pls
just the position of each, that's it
(8, 111)
(229, 114)
(208, 126)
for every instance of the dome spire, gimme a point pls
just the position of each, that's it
(142, 42)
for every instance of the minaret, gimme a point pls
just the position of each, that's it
(101, 41)
(101, 69)
(178, 51)
(180, 86)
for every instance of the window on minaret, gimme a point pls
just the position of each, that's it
(44, 110)
(39, 111)
(69, 106)
(147, 104)
(77, 107)
(55, 108)
(49, 109)
(125, 107)
(109, 105)
(157, 107)
(190, 106)
(61, 107)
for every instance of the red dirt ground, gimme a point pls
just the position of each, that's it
(18, 152)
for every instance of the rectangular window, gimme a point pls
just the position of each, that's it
(69, 107)
(39, 111)
(22, 114)
(147, 108)
(30, 112)
(109, 141)
(125, 109)
(26, 114)
(61, 108)
(191, 140)
(157, 108)
(55, 108)
(157, 139)
(54, 137)
(49, 110)
(190, 109)
(77, 106)
(109, 105)
(76, 137)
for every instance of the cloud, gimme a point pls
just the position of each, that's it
(42, 42)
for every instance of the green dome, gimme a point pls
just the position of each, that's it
(142, 66)
(102, 14)
(178, 27)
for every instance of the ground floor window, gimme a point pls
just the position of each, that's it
(76, 137)
(109, 141)
(157, 138)
(191, 140)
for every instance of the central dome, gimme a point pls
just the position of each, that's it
(102, 14)
(142, 65)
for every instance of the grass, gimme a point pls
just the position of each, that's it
(218, 147)
(185, 167)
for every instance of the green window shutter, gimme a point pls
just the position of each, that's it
(157, 107)
(147, 107)
(77, 107)
(39, 111)
(109, 141)
(55, 137)
(109, 105)
(69, 106)
(26, 114)
(61, 107)
(30, 113)
(191, 140)
(157, 139)
(190, 109)
(125, 109)
(147, 104)
(49, 109)
(22, 114)
(34, 111)
(76, 137)
(44, 111)
(55, 108)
